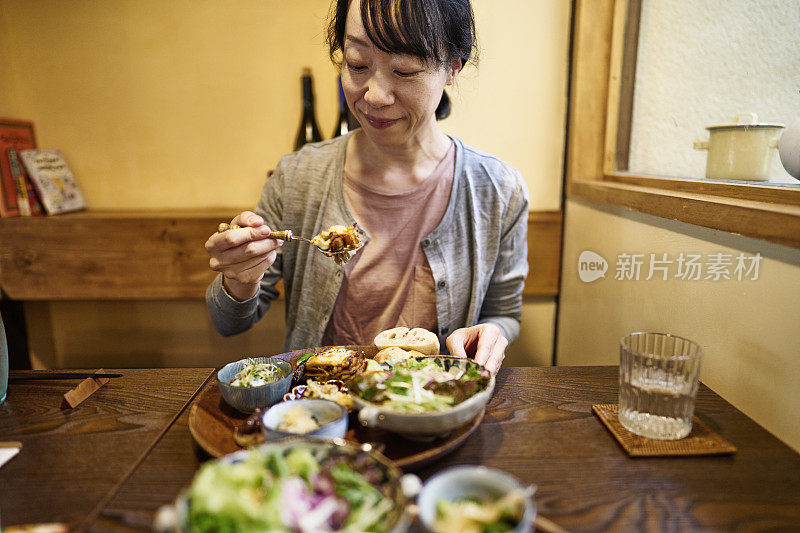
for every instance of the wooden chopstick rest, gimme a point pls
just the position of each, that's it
(85, 388)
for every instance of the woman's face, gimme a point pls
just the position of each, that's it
(393, 96)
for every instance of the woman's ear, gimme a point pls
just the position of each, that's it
(455, 68)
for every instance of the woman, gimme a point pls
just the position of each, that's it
(445, 224)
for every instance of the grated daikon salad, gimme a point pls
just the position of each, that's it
(255, 374)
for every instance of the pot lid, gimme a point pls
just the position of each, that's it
(746, 121)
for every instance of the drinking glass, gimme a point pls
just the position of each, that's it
(3, 362)
(658, 384)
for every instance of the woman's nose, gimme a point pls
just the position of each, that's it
(379, 92)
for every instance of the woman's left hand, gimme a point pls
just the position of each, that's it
(484, 343)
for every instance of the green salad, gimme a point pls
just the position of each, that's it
(420, 385)
(297, 489)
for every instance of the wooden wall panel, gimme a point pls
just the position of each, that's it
(107, 255)
(157, 255)
(544, 253)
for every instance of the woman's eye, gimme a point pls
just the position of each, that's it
(356, 68)
(406, 74)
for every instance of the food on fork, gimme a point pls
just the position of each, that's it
(335, 363)
(338, 239)
(338, 242)
(418, 339)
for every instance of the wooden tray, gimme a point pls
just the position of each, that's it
(212, 421)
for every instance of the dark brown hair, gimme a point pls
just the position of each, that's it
(438, 32)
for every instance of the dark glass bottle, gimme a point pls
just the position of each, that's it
(309, 131)
(346, 121)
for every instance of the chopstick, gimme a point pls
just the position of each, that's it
(546, 525)
(45, 374)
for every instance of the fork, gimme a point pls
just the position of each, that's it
(278, 234)
(287, 235)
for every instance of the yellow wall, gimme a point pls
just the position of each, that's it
(167, 104)
(513, 106)
(187, 103)
(748, 328)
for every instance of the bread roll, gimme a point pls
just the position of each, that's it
(393, 355)
(417, 339)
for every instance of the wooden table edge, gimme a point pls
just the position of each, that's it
(98, 509)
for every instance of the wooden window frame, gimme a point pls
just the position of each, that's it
(605, 37)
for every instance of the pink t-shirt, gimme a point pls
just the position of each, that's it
(388, 283)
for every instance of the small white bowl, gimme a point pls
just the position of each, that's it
(331, 416)
(466, 482)
(248, 399)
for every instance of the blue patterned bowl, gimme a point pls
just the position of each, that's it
(248, 399)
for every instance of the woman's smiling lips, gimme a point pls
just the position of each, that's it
(380, 123)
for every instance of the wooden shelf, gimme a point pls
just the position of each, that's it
(159, 255)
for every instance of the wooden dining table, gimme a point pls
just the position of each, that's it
(111, 462)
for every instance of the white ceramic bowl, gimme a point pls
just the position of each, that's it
(468, 482)
(248, 399)
(429, 425)
(331, 416)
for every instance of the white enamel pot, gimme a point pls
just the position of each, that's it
(742, 150)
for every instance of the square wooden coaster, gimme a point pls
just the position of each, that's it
(700, 441)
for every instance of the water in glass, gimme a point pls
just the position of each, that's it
(658, 386)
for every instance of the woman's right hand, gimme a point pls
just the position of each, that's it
(242, 255)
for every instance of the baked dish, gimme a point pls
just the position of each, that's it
(335, 363)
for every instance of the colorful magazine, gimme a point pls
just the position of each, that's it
(53, 180)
